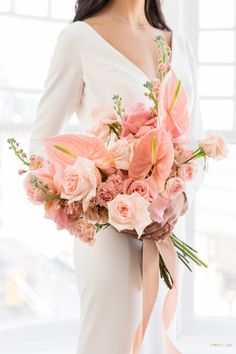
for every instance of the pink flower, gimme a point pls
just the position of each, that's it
(106, 192)
(174, 186)
(55, 212)
(122, 153)
(36, 162)
(158, 206)
(116, 181)
(129, 212)
(131, 186)
(181, 153)
(214, 146)
(82, 229)
(187, 171)
(135, 117)
(79, 181)
(45, 178)
(102, 117)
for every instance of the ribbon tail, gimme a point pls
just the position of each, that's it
(150, 280)
(169, 255)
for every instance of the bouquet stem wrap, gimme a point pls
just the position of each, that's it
(150, 278)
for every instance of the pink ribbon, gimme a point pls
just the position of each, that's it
(150, 278)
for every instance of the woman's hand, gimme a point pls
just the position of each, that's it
(171, 216)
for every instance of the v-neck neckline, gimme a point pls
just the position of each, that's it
(116, 51)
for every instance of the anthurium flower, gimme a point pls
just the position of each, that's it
(153, 152)
(65, 148)
(173, 106)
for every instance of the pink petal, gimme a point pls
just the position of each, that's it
(81, 145)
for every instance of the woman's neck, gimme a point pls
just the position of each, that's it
(131, 11)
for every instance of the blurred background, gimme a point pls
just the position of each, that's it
(39, 307)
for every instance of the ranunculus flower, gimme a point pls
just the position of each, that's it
(102, 118)
(135, 117)
(174, 186)
(187, 171)
(131, 186)
(214, 146)
(83, 229)
(129, 212)
(122, 153)
(79, 181)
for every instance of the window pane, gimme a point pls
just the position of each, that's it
(217, 114)
(26, 52)
(5, 5)
(32, 7)
(216, 80)
(217, 46)
(215, 13)
(63, 8)
(215, 291)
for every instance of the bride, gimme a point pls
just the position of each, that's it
(109, 49)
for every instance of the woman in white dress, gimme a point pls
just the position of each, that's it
(109, 49)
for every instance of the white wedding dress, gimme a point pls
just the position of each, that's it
(86, 71)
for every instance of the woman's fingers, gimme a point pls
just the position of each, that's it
(152, 227)
(165, 230)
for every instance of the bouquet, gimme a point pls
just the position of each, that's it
(126, 170)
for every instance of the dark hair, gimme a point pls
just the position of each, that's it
(153, 11)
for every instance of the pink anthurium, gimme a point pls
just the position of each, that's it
(173, 106)
(153, 152)
(65, 148)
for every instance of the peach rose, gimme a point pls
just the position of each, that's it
(187, 171)
(122, 153)
(129, 212)
(214, 146)
(174, 186)
(55, 212)
(79, 181)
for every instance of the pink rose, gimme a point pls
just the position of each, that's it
(131, 186)
(79, 181)
(214, 146)
(135, 117)
(102, 117)
(129, 212)
(174, 186)
(82, 229)
(122, 153)
(187, 171)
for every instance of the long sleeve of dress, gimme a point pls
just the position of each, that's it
(62, 91)
(196, 127)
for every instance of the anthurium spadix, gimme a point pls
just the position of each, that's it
(65, 148)
(173, 107)
(153, 155)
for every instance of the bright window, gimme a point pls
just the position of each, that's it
(37, 283)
